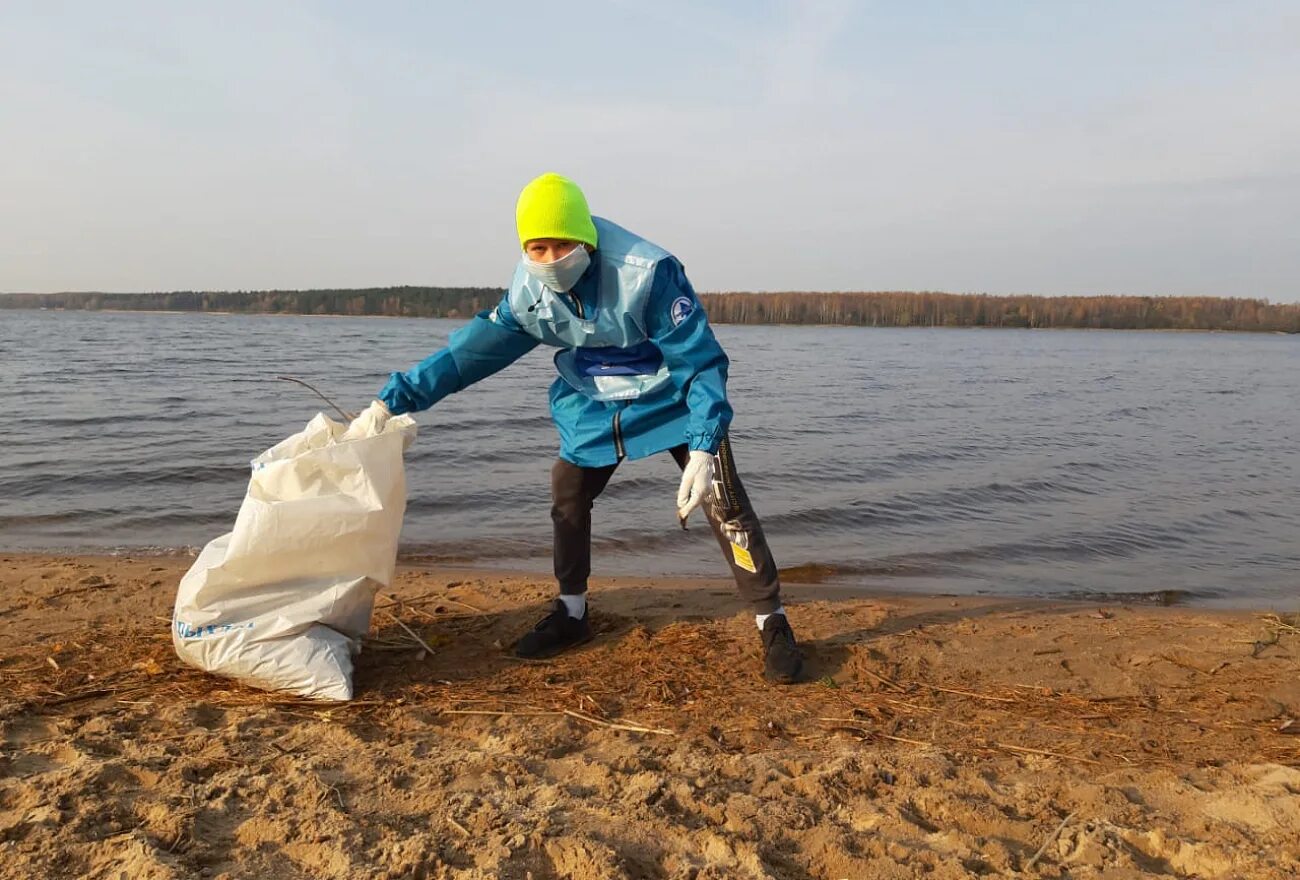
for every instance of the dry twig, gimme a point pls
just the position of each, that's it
(960, 693)
(1278, 622)
(410, 632)
(887, 682)
(347, 417)
(1033, 860)
(473, 608)
(618, 725)
(1027, 750)
(571, 713)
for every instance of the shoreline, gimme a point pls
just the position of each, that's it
(938, 737)
(810, 579)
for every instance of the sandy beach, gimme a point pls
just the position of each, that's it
(939, 737)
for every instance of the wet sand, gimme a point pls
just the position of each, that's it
(938, 737)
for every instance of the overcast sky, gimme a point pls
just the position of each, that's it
(1037, 147)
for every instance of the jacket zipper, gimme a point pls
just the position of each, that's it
(618, 435)
(618, 416)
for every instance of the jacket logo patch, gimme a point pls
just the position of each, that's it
(681, 309)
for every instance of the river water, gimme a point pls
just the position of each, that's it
(1120, 465)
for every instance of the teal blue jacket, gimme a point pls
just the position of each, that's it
(690, 409)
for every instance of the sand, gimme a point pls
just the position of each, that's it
(940, 737)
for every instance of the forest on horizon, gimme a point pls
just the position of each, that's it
(865, 309)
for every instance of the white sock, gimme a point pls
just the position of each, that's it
(577, 605)
(761, 619)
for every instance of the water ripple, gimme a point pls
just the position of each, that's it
(1106, 466)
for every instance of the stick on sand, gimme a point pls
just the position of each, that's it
(1033, 860)
(409, 631)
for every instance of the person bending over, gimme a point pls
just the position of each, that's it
(640, 373)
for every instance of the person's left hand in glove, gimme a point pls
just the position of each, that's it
(697, 484)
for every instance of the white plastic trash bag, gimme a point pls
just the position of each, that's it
(282, 601)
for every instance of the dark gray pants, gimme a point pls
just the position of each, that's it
(729, 511)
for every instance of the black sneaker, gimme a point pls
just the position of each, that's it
(782, 662)
(553, 634)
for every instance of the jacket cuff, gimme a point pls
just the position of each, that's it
(706, 442)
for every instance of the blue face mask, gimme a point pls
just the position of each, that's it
(562, 274)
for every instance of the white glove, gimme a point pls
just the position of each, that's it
(369, 422)
(697, 484)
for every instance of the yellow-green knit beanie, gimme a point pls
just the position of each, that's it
(552, 206)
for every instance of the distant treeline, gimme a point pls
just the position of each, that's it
(902, 309)
(408, 302)
(886, 309)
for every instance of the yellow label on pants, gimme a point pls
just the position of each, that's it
(743, 559)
